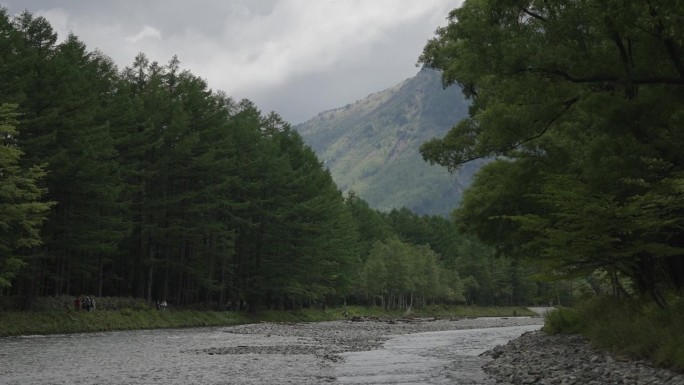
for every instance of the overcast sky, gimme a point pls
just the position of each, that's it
(295, 57)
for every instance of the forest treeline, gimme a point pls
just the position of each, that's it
(144, 182)
(581, 103)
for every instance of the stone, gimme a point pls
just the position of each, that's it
(537, 358)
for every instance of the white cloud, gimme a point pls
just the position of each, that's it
(146, 32)
(261, 48)
(301, 36)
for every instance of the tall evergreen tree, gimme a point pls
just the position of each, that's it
(22, 210)
(161, 187)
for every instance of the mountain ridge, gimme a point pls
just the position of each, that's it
(371, 146)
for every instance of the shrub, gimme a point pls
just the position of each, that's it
(562, 321)
(636, 328)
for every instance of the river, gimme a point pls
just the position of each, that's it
(373, 352)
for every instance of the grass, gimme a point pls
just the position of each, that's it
(638, 330)
(15, 323)
(52, 322)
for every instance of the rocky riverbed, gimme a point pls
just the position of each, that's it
(362, 351)
(537, 358)
(265, 353)
(327, 340)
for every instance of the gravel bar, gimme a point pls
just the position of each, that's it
(326, 340)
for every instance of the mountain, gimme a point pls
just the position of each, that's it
(372, 146)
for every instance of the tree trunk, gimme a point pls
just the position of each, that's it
(222, 293)
(100, 275)
(150, 273)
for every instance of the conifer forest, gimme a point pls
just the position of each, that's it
(144, 182)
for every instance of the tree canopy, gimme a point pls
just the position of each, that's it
(580, 103)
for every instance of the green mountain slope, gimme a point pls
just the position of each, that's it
(372, 145)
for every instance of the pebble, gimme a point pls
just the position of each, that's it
(327, 340)
(538, 358)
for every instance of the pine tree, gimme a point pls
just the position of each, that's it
(22, 210)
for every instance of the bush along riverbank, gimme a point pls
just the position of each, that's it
(139, 316)
(638, 330)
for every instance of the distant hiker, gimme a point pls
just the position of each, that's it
(86, 303)
(158, 305)
(92, 304)
(163, 305)
(77, 303)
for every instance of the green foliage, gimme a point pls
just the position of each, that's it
(22, 210)
(401, 275)
(487, 279)
(164, 189)
(14, 323)
(639, 329)
(370, 224)
(61, 93)
(562, 320)
(581, 104)
(20, 323)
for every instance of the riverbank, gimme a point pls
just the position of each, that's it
(14, 323)
(638, 329)
(539, 358)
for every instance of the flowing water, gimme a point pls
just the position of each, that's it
(258, 354)
(444, 357)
